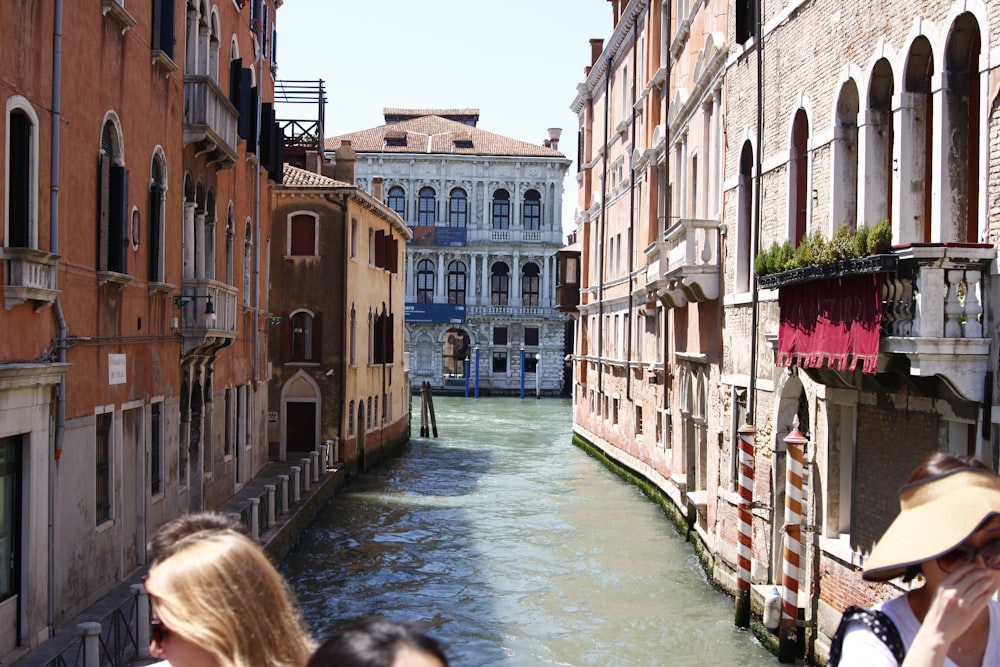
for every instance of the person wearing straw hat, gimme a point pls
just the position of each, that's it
(947, 533)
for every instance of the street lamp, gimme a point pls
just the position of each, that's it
(538, 375)
(522, 372)
(184, 299)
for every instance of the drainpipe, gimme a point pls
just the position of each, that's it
(631, 213)
(665, 38)
(600, 233)
(57, 310)
(754, 297)
(256, 203)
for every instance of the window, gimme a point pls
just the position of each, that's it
(354, 238)
(302, 235)
(529, 284)
(368, 414)
(426, 207)
(397, 201)
(102, 468)
(371, 246)
(638, 420)
(354, 336)
(21, 180)
(155, 448)
(499, 362)
(383, 341)
(499, 335)
(746, 20)
(163, 28)
(501, 209)
(306, 338)
(425, 281)
(499, 284)
(458, 206)
(227, 440)
(532, 210)
(531, 335)
(530, 363)
(112, 189)
(247, 251)
(157, 201)
(456, 282)
(10, 516)
(230, 247)
(350, 418)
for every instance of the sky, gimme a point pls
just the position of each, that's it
(517, 61)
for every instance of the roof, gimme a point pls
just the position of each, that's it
(437, 135)
(302, 178)
(466, 116)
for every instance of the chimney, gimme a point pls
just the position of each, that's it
(596, 47)
(377, 187)
(313, 160)
(554, 134)
(344, 159)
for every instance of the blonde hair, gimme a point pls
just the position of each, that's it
(220, 592)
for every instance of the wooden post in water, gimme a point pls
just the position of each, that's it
(423, 410)
(430, 403)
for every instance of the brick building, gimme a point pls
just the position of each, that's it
(703, 143)
(486, 215)
(136, 197)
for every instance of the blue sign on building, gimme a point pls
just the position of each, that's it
(435, 313)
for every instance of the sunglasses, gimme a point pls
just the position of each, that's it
(990, 553)
(158, 631)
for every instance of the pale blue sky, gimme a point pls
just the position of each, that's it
(517, 61)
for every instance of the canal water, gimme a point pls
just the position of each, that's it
(515, 548)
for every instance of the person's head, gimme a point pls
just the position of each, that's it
(216, 601)
(949, 514)
(164, 540)
(379, 642)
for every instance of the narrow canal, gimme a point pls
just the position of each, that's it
(514, 547)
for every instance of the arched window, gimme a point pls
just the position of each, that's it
(247, 252)
(230, 247)
(426, 207)
(529, 284)
(456, 282)
(157, 202)
(532, 213)
(112, 191)
(396, 200)
(22, 183)
(744, 218)
(501, 209)
(301, 336)
(354, 337)
(879, 138)
(845, 159)
(303, 235)
(425, 281)
(458, 206)
(499, 284)
(798, 174)
(350, 418)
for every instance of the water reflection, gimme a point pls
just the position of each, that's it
(516, 548)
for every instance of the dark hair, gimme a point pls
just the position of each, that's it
(373, 642)
(940, 463)
(165, 539)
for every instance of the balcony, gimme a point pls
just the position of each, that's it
(215, 328)
(29, 275)
(927, 300)
(933, 313)
(210, 121)
(515, 235)
(508, 311)
(684, 266)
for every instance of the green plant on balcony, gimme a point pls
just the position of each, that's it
(816, 251)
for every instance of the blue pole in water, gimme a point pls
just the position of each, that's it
(477, 371)
(466, 377)
(522, 372)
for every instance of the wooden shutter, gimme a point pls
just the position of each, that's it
(103, 197)
(153, 236)
(285, 336)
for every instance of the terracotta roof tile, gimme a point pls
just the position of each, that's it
(436, 135)
(301, 178)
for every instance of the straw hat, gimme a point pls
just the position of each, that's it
(936, 515)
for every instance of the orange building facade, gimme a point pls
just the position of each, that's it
(138, 147)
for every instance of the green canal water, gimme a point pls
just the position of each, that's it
(514, 547)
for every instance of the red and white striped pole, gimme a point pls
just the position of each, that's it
(744, 550)
(795, 443)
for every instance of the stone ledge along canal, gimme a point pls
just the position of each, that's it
(514, 547)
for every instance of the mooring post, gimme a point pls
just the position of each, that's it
(430, 404)
(788, 642)
(744, 551)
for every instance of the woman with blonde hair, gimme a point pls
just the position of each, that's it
(216, 601)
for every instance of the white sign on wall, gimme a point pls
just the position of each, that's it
(116, 369)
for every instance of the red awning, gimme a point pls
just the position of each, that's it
(832, 323)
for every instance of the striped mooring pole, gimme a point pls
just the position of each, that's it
(795, 443)
(744, 550)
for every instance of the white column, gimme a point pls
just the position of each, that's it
(484, 296)
(715, 193)
(199, 245)
(543, 288)
(189, 243)
(908, 163)
(515, 280)
(411, 285)
(441, 282)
